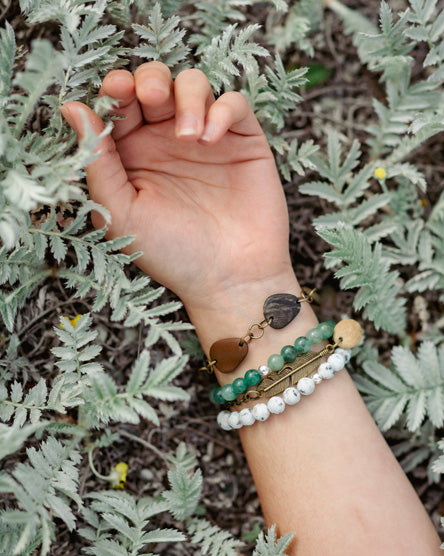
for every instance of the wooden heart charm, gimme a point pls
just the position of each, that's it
(228, 353)
(282, 308)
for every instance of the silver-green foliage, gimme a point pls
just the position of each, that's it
(414, 385)
(376, 226)
(116, 524)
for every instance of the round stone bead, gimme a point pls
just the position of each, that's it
(212, 393)
(315, 336)
(326, 370)
(252, 377)
(234, 420)
(276, 405)
(316, 378)
(326, 329)
(302, 344)
(260, 412)
(275, 362)
(346, 353)
(306, 386)
(239, 386)
(264, 370)
(246, 417)
(291, 395)
(337, 361)
(218, 396)
(349, 332)
(228, 393)
(222, 420)
(289, 353)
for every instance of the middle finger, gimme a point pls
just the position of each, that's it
(154, 90)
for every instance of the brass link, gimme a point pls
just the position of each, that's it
(250, 334)
(307, 295)
(209, 367)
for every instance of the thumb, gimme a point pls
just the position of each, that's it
(106, 177)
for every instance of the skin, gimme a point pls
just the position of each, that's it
(194, 180)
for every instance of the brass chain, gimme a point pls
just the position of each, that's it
(308, 295)
(250, 334)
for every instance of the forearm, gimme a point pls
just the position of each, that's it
(322, 468)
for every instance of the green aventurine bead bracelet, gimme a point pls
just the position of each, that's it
(289, 353)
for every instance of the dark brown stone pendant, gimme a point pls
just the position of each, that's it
(228, 353)
(282, 308)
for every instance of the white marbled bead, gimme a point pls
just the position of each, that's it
(246, 417)
(346, 353)
(306, 386)
(317, 378)
(291, 395)
(264, 370)
(260, 412)
(276, 405)
(234, 421)
(222, 420)
(337, 361)
(326, 370)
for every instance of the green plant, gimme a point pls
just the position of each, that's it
(56, 411)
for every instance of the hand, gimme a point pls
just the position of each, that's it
(193, 179)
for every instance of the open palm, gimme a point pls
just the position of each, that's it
(193, 179)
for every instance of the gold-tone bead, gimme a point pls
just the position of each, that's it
(347, 333)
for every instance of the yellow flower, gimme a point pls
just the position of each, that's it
(118, 475)
(72, 321)
(380, 173)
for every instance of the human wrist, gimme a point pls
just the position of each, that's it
(238, 308)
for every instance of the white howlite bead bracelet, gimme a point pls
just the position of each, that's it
(276, 405)
(230, 420)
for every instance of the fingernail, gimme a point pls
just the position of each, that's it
(187, 125)
(208, 132)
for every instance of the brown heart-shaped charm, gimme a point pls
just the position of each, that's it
(228, 353)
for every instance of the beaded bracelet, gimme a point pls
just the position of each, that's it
(288, 354)
(279, 310)
(346, 334)
(230, 420)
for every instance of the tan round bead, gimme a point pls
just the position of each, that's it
(350, 331)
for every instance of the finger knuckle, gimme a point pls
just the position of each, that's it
(154, 65)
(235, 96)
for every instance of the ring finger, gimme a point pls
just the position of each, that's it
(193, 97)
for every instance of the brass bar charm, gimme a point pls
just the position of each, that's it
(277, 381)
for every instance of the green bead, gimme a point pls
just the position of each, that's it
(239, 386)
(331, 323)
(326, 329)
(315, 336)
(228, 392)
(212, 394)
(289, 353)
(252, 377)
(302, 344)
(275, 362)
(218, 396)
